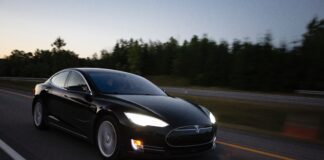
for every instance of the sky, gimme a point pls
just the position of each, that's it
(89, 26)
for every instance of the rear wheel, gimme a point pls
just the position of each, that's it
(107, 139)
(39, 115)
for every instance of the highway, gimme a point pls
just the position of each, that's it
(18, 133)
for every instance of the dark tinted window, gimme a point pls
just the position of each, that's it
(59, 79)
(123, 83)
(76, 82)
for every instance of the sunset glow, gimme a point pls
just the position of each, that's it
(90, 26)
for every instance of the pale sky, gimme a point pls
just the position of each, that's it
(89, 26)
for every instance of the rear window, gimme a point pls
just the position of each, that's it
(59, 79)
(76, 82)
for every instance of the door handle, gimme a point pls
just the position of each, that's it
(66, 96)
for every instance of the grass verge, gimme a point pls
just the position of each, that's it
(260, 115)
(21, 85)
(165, 80)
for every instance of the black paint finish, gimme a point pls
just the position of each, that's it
(77, 110)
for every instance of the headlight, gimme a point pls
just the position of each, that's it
(212, 118)
(144, 120)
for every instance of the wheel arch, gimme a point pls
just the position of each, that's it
(42, 99)
(99, 116)
(36, 98)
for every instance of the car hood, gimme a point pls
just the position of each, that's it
(174, 111)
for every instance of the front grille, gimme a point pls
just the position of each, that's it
(190, 136)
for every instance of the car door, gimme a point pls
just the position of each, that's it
(56, 92)
(80, 110)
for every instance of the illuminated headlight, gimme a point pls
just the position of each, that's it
(212, 118)
(144, 120)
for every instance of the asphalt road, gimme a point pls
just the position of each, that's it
(18, 132)
(262, 97)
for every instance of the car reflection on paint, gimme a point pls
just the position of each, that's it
(122, 114)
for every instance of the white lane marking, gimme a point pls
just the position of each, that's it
(15, 93)
(12, 153)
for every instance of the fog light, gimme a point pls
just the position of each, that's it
(137, 145)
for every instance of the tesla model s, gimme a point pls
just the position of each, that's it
(122, 113)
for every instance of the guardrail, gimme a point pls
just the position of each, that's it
(321, 93)
(24, 79)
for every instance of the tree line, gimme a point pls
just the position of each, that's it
(241, 64)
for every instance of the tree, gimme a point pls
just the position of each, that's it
(312, 56)
(201, 60)
(17, 62)
(58, 44)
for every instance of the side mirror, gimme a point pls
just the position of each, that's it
(88, 97)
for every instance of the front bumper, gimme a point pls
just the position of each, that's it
(156, 143)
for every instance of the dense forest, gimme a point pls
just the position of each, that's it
(241, 64)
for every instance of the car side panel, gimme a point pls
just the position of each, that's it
(80, 111)
(56, 102)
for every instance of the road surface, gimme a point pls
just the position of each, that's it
(17, 132)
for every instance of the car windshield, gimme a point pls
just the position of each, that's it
(123, 83)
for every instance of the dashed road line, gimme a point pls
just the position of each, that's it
(15, 93)
(12, 153)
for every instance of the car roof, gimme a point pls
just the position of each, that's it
(88, 70)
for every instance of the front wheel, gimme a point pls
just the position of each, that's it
(39, 115)
(107, 139)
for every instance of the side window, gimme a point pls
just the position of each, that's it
(59, 79)
(76, 83)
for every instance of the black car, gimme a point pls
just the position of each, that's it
(122, 113)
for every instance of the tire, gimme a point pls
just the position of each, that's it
(39, 116)
(107, 139)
